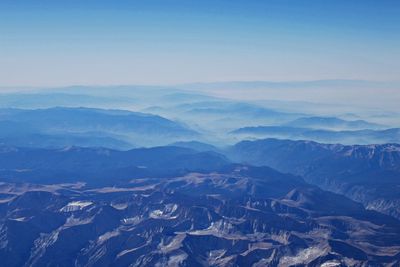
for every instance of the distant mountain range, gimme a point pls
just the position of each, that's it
(47, 100)
(183, 176)
(333, 83)
(391, 135)
(195, 145)
(354, 93)
(58, 127)
(333, 123)
(211, 115)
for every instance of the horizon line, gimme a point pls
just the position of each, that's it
(194, 83)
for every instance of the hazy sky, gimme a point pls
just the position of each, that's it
(164, 42)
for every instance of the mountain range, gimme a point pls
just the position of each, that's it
(225, 215)
(365, 173)
(61, 126)
(221, 174)
(333, 123)
(366, 136)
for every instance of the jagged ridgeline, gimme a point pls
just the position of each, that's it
(85, 206)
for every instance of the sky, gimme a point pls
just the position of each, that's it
(97, 42)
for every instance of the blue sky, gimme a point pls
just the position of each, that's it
(166, 42)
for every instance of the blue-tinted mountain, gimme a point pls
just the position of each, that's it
(241, 216)
(195, 145)
(70, 124)
(332, 123)
(52, 99)
(365, 173)
(334, 83)
(24, 135)
(98, 165)
(232, 108)
(391, 135)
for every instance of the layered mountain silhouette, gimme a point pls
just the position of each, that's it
(366, 136)
(58, 127)
(333, 123)
(183, 176)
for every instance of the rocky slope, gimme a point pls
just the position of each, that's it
(366, 173)
(239, 216)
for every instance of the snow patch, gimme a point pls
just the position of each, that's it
(76, 205)
(303, 257)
